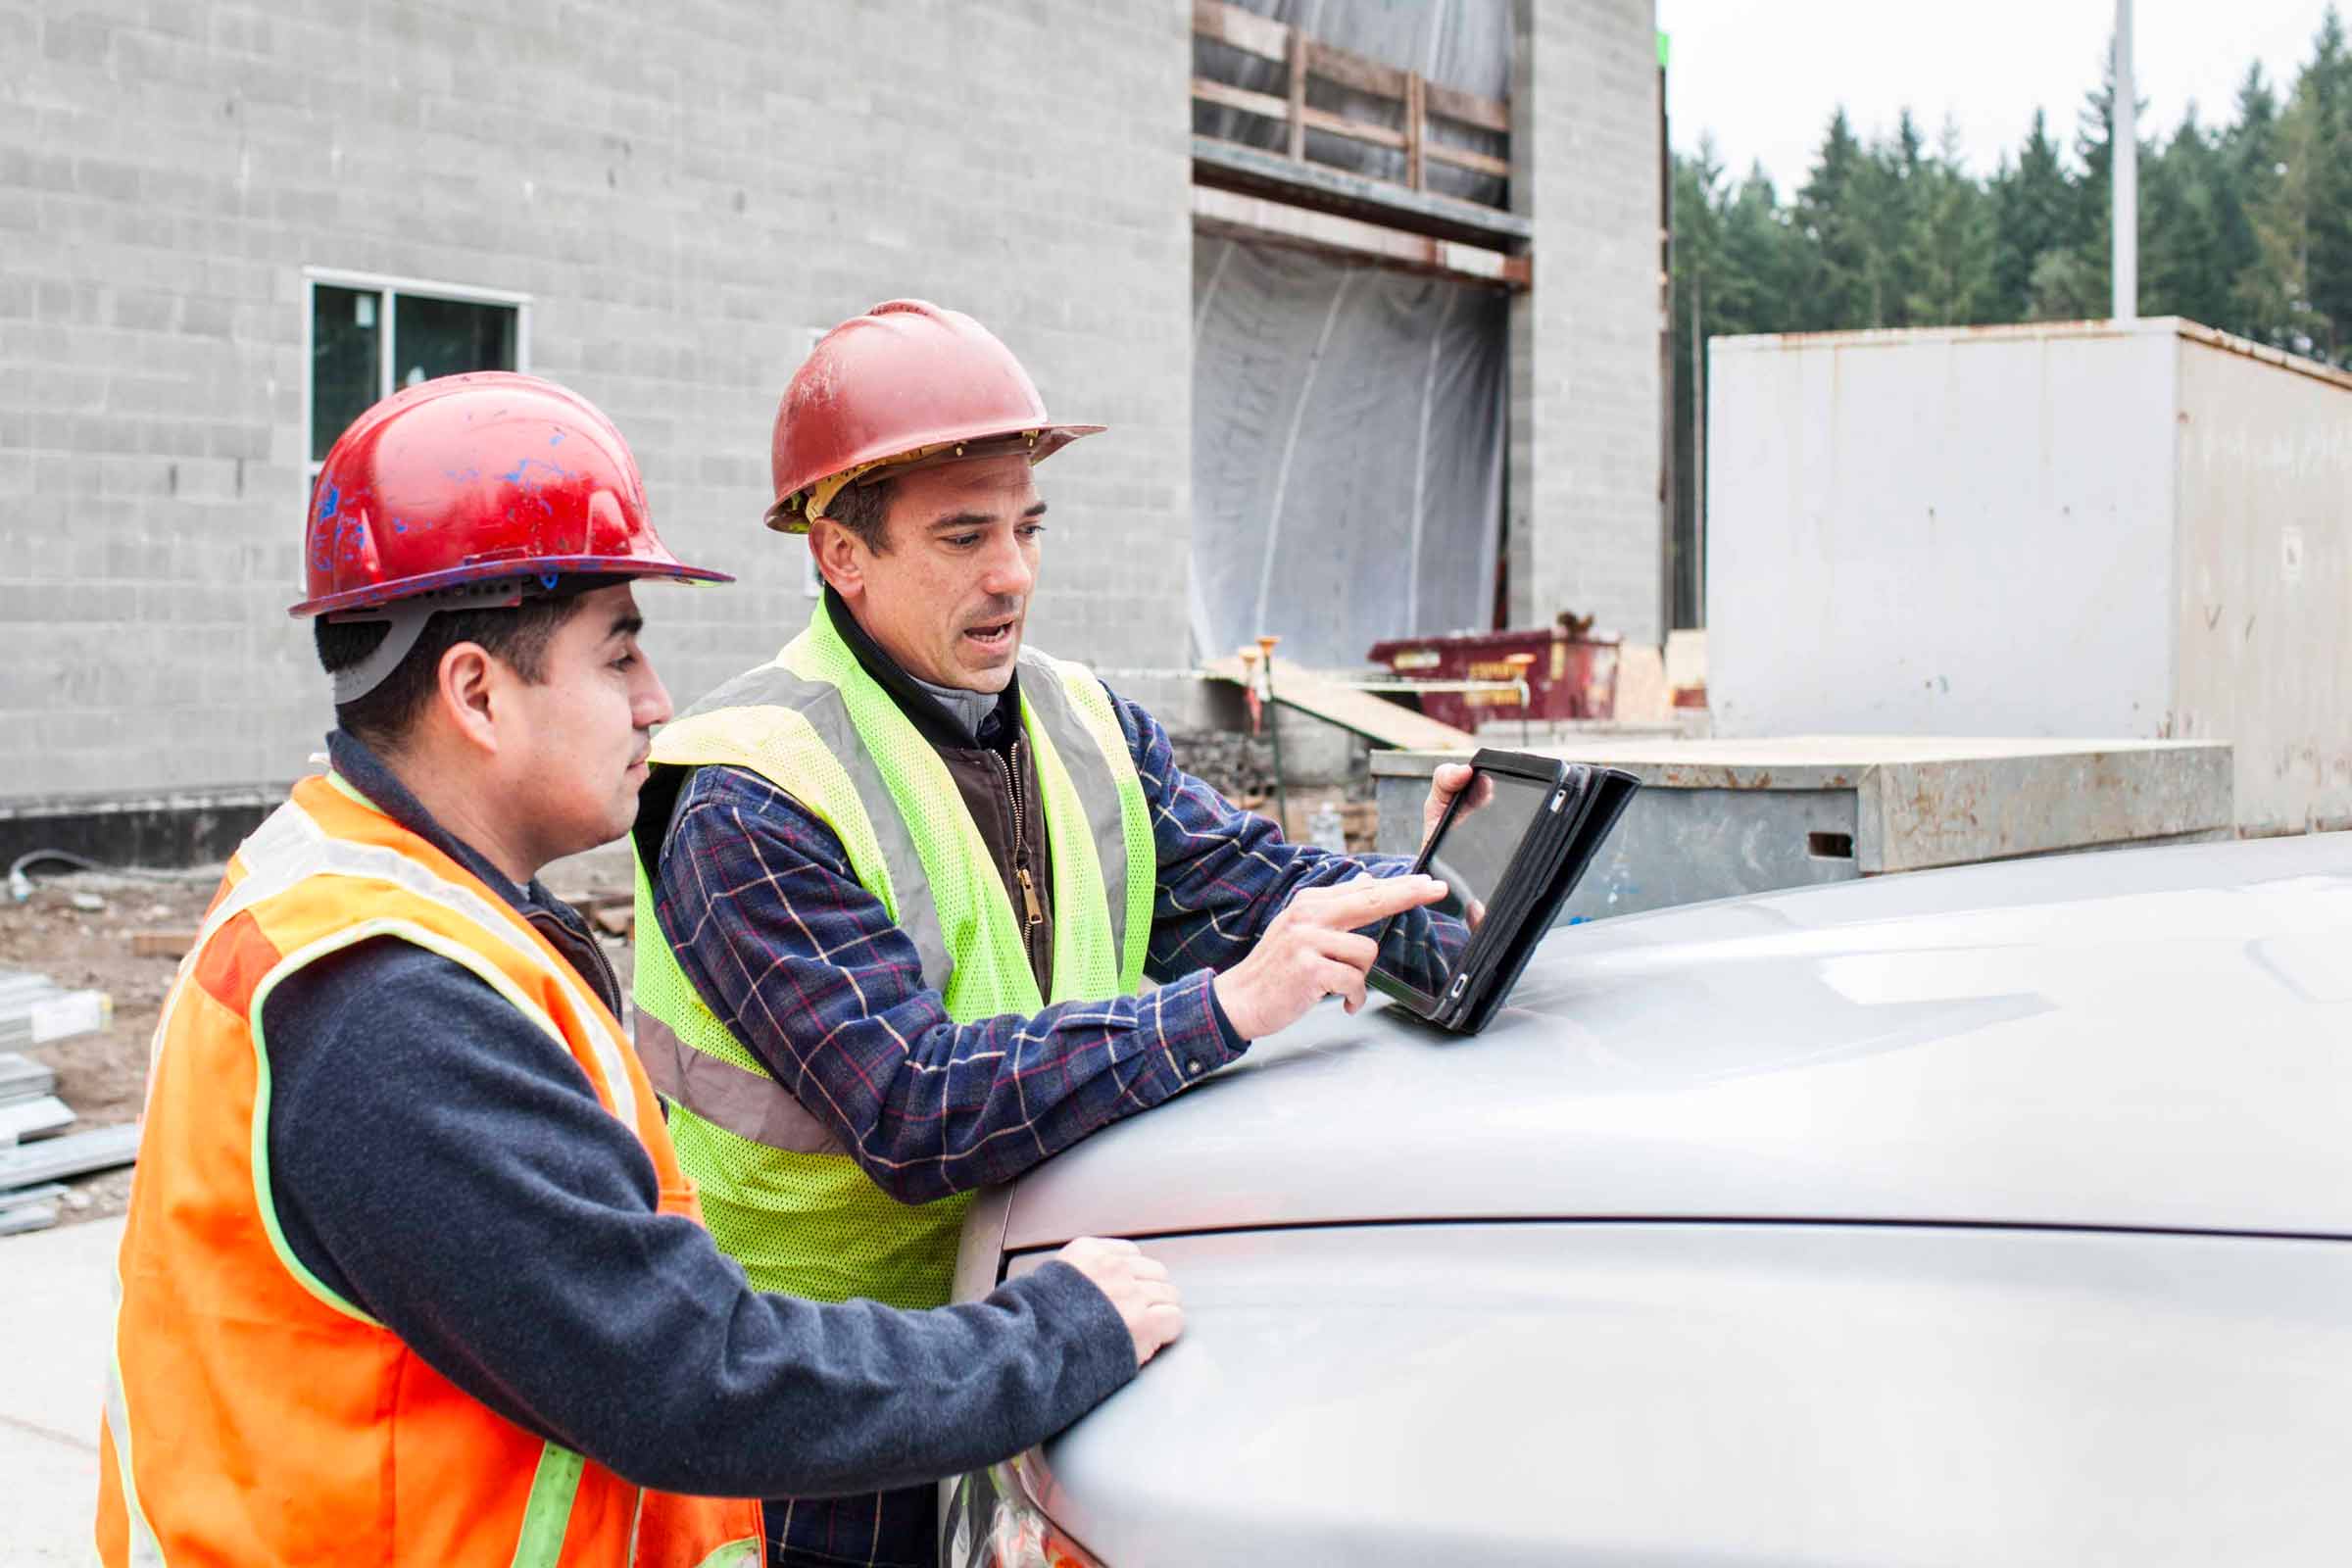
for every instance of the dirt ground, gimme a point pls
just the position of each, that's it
(102, 1076)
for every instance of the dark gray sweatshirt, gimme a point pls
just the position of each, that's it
(440, 1162)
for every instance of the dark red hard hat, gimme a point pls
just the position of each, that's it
(906, 381)
(474, 478)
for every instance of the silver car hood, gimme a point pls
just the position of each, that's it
(2152, 1039)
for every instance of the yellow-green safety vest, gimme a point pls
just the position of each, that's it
(779, 1193)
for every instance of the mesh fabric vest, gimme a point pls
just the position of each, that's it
(252, 1415)
(780, 1194)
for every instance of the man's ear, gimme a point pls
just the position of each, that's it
(840, 557)
(465, 691)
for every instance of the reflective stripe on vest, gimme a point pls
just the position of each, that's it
(781, 1195)
(287, 1454)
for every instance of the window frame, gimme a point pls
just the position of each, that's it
(387, 287)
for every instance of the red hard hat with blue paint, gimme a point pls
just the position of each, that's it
(468, 483)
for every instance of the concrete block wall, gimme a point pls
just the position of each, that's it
(1584, 513)
(683, 192)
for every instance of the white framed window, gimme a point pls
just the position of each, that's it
(366, 337)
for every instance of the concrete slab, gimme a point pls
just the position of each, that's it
(1718, 817)
(55, 1296)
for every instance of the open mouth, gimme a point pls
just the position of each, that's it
(994, 638)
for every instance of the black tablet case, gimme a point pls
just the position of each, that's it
(1585, 804)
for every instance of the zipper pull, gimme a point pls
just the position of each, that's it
(1029, 896)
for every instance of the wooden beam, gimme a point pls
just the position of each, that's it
(1464, 158)
(1353, 130)
(1469, 109)
(1256, 218)
(1301, 48)
(1416, 129)
(1247, 102)
(1245, 30)
(1264, 172)
(1351, 70)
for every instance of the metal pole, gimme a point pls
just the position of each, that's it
(2125, 167)
(1282, 795)
(1699, 452)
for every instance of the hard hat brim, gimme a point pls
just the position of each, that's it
(618, 569)
(1038, 444)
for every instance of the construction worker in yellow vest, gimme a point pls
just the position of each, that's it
(899, 888)
(411, 1273)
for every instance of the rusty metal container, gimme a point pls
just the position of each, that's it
(1567, 674)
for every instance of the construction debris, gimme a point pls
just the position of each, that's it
(22, 1078)
(30, 1117)
(30, 1208)
(1383, 722)
(161, 944)
(34, 1010)
(74, 1154)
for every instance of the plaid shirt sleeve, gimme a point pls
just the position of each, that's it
(805, 966)
(1224, 873)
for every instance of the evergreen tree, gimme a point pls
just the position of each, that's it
(2183, 264)
(2036, 208)
(1895, 191)
(1838, 282)
(1951, 243)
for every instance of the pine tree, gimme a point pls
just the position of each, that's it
(1951, 243)
(2183, 268)
(1839, 283)
(2326, 91)
(2036, 208)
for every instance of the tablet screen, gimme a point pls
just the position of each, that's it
(1473, 849)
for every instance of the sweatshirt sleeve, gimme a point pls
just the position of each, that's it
(445, 1166)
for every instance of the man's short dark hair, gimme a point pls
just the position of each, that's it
(864, 510)
(516, 637)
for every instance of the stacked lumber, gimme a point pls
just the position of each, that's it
(35, 1153)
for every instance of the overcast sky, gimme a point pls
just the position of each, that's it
(1762, 75)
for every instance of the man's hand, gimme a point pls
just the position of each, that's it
(1311, 951)
(1443, 785)
(1138, 1285)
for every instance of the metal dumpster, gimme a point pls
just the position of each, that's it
(1567, 675)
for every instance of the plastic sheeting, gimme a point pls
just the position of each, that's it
(1347, 437)
(1464, 44)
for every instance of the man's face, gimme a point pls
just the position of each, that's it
(949, 596)
(576, 760)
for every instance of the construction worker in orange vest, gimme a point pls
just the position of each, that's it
(410, 1274)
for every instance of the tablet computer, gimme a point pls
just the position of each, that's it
(1511, 847)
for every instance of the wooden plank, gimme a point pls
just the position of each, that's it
(1245, 30)
(1352, 69)
(1249, 170)
(1469, 108)
(1353, 130)
(1253, 217)
(1464, 158)
(1416, 127)
(1297, 113)
(1247, 102)
(161, 944)
(1377, 719)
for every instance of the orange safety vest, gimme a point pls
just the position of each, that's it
(252, 1414)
